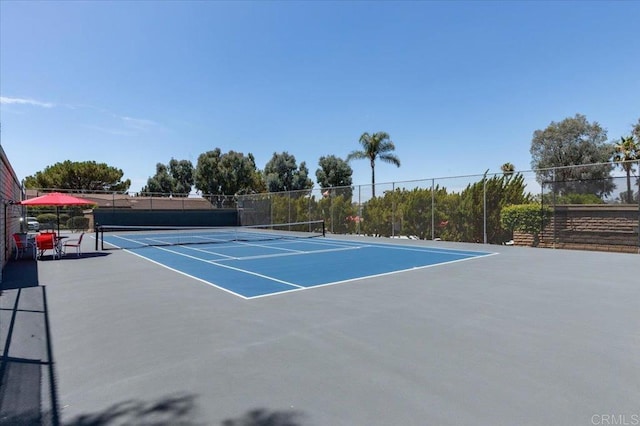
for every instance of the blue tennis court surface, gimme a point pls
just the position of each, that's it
(263, 268)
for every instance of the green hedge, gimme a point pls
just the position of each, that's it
(528, 218)
(47, 218)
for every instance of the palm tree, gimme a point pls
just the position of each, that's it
(627, 150)
(507, 169)
(376, 146)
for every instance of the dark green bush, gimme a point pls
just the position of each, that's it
(64, 218)
(47, 218)
(527, 218)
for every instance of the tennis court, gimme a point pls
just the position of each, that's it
(416, 333)
(250, 264)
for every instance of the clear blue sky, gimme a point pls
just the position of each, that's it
(459, 86)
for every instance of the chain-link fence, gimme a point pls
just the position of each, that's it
(591, 205)
(595, 206)
(465, 208)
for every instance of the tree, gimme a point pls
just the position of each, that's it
(281, 173)
(79, 175)
(376, 146)
(175, 179)
(508, 169)
(160, 183)
(573, 142)
(627, 150)
(226, 174)
(497, 192)
(334, 172)
(337, 213)
(182, 174)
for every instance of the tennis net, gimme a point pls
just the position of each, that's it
(131, 237)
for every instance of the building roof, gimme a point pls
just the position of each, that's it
(115, 200)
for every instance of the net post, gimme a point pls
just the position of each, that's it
(96, 229)
(324, 232)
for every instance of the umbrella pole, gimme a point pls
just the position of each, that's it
(58, 216)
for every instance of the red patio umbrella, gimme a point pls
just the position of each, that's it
(57, 199)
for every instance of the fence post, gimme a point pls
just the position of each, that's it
(484, 207)
(289, 206)
(359, 210)
(309, 209)
(553, 206)
(542, 224)
(433, 209)
(393, 209)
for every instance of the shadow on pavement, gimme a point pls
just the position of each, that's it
(262, 417)
(28, 393)
(20, 274)
(176, 411)
(89, 255)
(72, 256)
(171, 410)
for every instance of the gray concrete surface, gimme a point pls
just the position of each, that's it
(527, 337)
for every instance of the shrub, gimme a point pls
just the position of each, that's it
(527, 218)
(47, 218)
(64, 218)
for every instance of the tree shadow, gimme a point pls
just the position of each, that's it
(175, 410)
(263, 417)
(28, 392)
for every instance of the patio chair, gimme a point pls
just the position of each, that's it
(77, 243)
(23, 245)
(46, 241)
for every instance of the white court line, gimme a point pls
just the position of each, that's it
(144, 241)
(188, 246)
(398, 247)
(237, 243)
(415, 268)
(244, 243)
(317, 241)
(391, 246)
(188, 275)
(208, 252)
(297, 253)
(244, 271)
(273, 247)
(123, 238)
(290, 252)
(451, 253)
